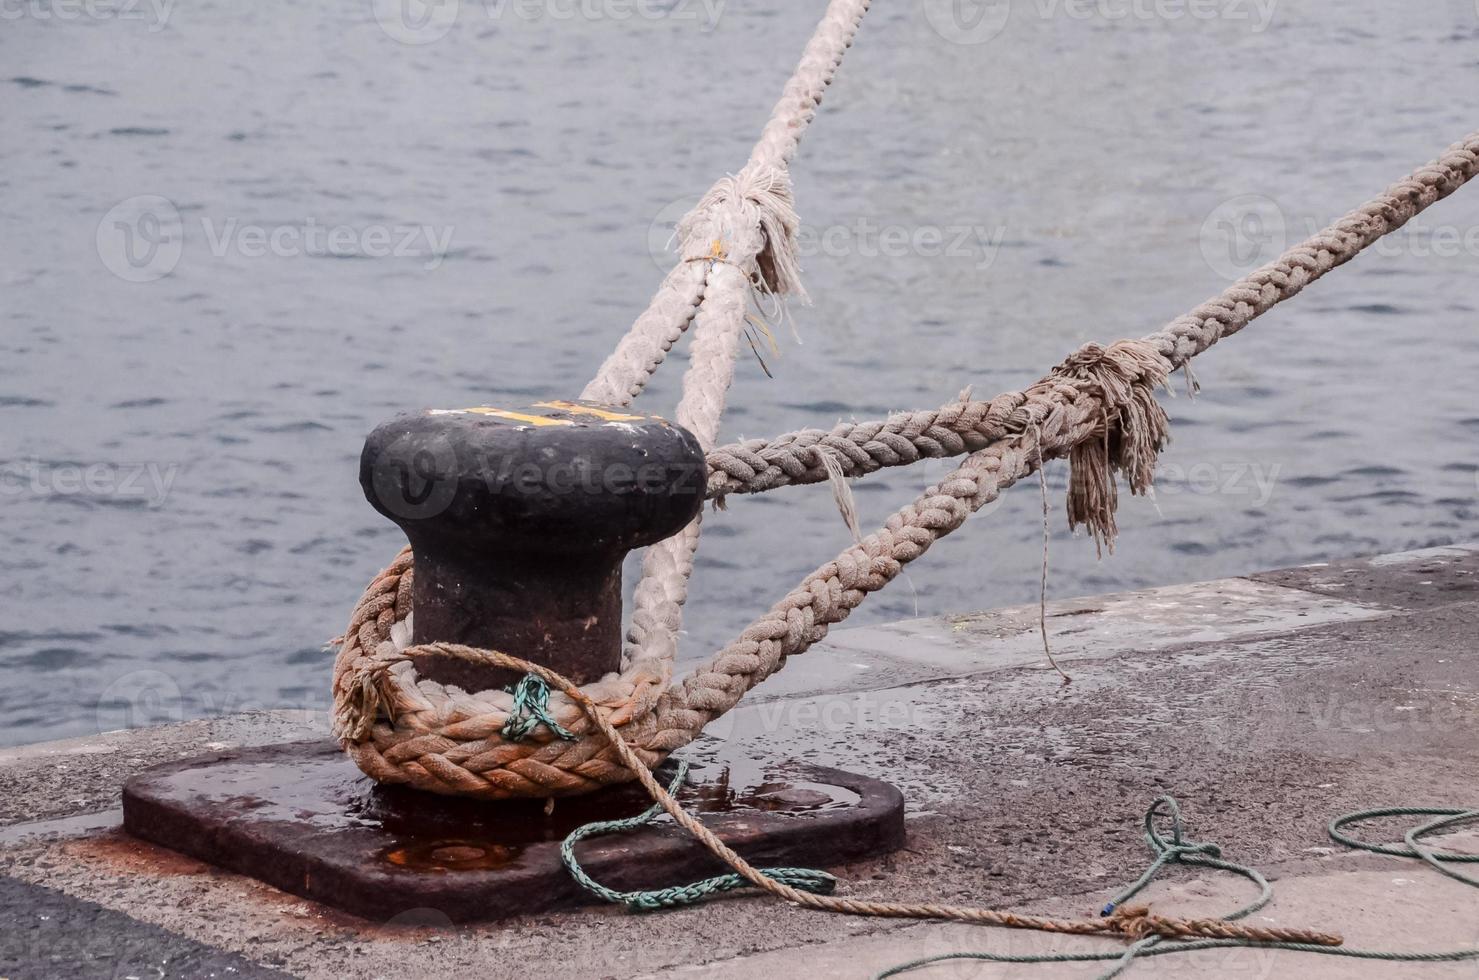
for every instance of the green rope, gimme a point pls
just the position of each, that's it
(1178, 850)
(530, 710)
(817, 882)
(1439, 860)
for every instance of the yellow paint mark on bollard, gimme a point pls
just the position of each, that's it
(577, 409)
(502, 414)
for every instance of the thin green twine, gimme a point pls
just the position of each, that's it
(530, 710)
(1178, 850)
(806, 879)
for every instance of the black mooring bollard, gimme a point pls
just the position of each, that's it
(519, 520)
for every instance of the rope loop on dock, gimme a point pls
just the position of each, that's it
(1098, 409)
(676, 896)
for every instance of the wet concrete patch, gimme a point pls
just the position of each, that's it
(61, 828)
(53, 780)
(1102, 626)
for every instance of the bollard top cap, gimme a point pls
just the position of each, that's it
(556, 476)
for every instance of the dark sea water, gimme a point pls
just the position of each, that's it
(238, 235)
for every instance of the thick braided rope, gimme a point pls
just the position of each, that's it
(744, 230)
(445, 740)
(741, 220)
(657, 616)
(639, 354)
(965, 425)
(802, 95)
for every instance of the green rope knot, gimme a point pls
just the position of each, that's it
(530, 710)
(805, 879)
(1175, 849)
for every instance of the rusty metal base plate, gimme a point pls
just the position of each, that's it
(301, 817)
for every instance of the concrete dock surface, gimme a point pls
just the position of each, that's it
(1266, 705)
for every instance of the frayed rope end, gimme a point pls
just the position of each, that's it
(1135, 428)
(365, 700)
